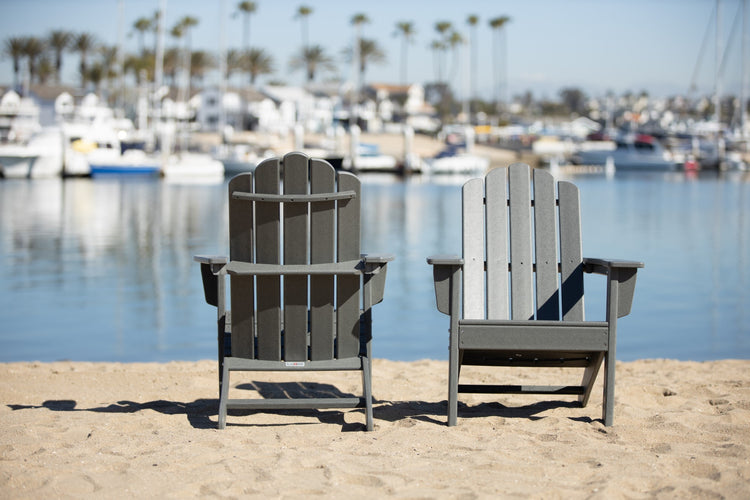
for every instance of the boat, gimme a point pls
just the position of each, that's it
(130, 162)
(238, 158)
(192, 167)
(42, 156)
(19, 118)
(370, 159)
(16, 160)
(455, 160)
(642, 152)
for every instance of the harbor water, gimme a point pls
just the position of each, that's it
(102, 269)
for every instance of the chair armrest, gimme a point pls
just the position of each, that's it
(376, 266)
(602, 266)
(620, 273)
(445, 260)
(445, 271)
(212, 266)
(210, 259)
(377, 258)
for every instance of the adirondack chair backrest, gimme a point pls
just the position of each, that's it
(515, 265)
(295, 211)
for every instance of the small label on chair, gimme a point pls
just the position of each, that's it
(295, 363)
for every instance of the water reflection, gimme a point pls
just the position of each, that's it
(102, 269)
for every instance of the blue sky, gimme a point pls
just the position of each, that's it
(598, 45)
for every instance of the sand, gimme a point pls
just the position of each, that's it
(83, 430)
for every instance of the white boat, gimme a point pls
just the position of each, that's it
(640, 153)
(238, 158)
(192, 167)
(42, 156)
(131, 162)
(19, 118)
(16, 160)
(370, 159)
(452, 160)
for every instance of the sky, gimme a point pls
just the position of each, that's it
(657, 46)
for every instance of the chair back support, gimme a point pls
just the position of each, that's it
(295, 211)
(521, 247)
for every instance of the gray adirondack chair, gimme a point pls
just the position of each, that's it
(516, 296)
(301, 292)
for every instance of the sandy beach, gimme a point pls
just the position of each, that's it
(82, 430)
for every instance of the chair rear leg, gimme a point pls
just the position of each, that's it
(223, 397)
(589, 377)
(367, 388)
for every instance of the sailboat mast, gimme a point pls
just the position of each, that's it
(743, 86)
(222, 69)
(717, 67)
(159, 67)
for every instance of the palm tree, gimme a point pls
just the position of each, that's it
(497, 24)
(472, 21)
(303, 12)
(59, 41)
(182, 29)
(369, 52)
(44, 70)
(95, 74)
(246, 8)
(358, 20)
(437, 47)
(141, 67)
(33, 49)
(155, 19)
(109, 63)
(234, 59)
(14, 48)
(83, 44)
(258, 63)
(454, 40)
(200, 62)
(312, 58)
(443, 28)
(171, 63)
(406, 30)
(141, 26)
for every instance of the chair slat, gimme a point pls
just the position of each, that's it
(242, 288)
(296, 179)
(348, 243)
(522, 302)
(571, 266)
(545, 246)
(473, 249)
(497, 243)
(322, 228)
(267, 219)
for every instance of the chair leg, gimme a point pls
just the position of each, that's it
(608, 405)
(367, 388)
(223, 397)
(453, 386)
(589, 377)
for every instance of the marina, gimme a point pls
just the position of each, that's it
(101, 269)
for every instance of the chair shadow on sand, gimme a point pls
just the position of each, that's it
(200, 412)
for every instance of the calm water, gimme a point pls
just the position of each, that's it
(102, 270)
